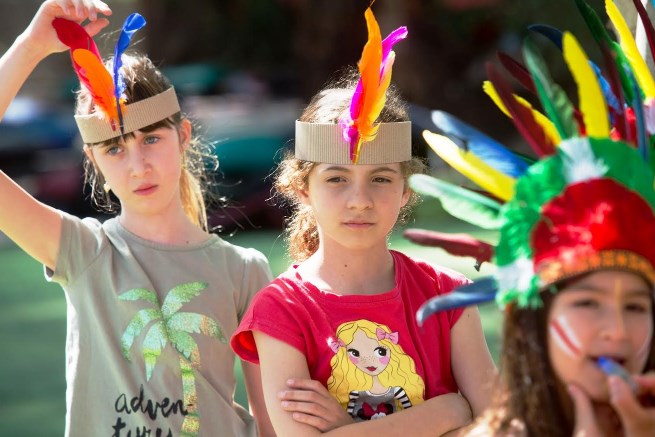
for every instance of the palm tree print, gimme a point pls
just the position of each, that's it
(166, 325)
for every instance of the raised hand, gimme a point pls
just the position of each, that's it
(40, 37)
(312, 404)
(585, 419)
(637, 420)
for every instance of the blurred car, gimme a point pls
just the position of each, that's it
(37, 150)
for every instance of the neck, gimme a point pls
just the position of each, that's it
(173, 228)
(350, 272)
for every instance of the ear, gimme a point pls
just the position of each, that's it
(407, 193)
(185, 133)
(303, 195)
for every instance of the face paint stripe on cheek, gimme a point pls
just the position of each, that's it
(564, 336)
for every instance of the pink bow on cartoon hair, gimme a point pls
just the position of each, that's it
(391, 336)
(336, 344)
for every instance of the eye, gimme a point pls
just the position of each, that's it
(353, 352)
(112, 150)
(335, 179)
(151, 139)
(381, 351)
(381, 180)
(585, 303)
(637, 307)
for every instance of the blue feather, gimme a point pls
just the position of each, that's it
(481, 291)
(484, 147)
(132, 23)
(552, 33)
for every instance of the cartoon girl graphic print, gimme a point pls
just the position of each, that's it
(371, 374)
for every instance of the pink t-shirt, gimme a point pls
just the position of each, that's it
(338, 334)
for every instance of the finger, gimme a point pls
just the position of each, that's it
(302, 407)
(64, 6)
(585, 422)
(633, 416)
(306, 384)
(94, 27)
(301, 395)
(310, 420)
(646, 382)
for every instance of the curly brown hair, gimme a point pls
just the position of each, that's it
(144, 80)
(327, 106)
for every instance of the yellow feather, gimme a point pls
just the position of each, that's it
(592, 103)
(541, 119)
(629, 46)
(467, 163)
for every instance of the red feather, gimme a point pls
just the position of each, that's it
(517, 70)
(454, 244)
(648, 26)
(75, 37)
(521, 116)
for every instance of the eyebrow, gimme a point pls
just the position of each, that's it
(383, 169)
(646, 292)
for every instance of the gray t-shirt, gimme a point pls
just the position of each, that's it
(147, 350)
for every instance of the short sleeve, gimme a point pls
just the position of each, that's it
(256, 275)
(276, 312)
(81, 241)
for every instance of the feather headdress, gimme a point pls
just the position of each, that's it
(114, 115)
(587, 203)
(390, 142)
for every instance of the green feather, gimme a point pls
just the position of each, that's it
(594, 23)
(556, 103)
(460, 202)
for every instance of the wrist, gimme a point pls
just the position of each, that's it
(29, 49)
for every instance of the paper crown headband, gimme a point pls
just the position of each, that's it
(343, 143)
(588, 203)
(113, 115)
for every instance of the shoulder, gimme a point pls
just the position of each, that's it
(234, 254)
(446, 278)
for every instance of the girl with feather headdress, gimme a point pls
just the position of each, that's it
(339, 323)
(575, 260)
(152, 297)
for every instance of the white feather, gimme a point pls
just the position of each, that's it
(580, 163)
(516, 276)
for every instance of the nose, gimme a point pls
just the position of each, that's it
(614, 325)
(360, 198)
(138, 162)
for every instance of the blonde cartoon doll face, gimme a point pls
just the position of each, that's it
(367, 354)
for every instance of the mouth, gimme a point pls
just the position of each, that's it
(358, 224)
(616, 358)
(371, 368)
(145, 189)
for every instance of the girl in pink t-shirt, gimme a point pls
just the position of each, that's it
(340, 323)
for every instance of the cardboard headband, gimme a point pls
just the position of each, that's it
(96, 129)
(322, 142)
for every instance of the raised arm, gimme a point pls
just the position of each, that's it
(281, 362)
(36, 227)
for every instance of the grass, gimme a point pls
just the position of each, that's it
(33, 325)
